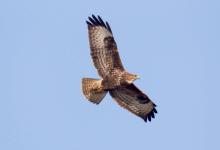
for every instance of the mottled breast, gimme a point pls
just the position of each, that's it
(113, 80)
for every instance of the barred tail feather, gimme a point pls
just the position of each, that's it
(92, 90)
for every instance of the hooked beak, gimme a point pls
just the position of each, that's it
(137, 77)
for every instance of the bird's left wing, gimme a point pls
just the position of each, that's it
(135, 101)
(103, 47)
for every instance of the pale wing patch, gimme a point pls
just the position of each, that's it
(100, 56)
(97, 35)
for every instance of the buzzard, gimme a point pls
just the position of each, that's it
(114, 78)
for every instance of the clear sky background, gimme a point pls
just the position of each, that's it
(44, 52)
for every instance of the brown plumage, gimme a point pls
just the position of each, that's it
(115, 79)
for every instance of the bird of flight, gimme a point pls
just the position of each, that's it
(114, 78)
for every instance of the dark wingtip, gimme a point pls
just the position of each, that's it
(108, 27)
(150, 115)
(97, 21)
(88, 23)
(145, 119)
(102, 22)
(154, 110)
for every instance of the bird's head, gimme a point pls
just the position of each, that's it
(130, 78)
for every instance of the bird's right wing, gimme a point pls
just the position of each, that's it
(132, 99)
(103, 46)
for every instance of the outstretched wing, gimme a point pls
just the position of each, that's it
(103, 46)
(132, 99)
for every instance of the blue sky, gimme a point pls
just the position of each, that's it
(44, 53)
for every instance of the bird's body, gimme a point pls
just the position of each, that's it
(114, 78)
(117, 78)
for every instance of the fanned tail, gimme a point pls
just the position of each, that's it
(92, 90)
